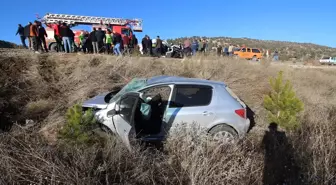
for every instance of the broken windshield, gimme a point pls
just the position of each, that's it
(134, 85)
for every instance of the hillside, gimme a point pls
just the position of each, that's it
(287, 50)
(37, 90)
(5, 44)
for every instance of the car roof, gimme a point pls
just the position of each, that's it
(177, 79)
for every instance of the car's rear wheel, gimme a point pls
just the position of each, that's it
(223, 134)
(53, 47)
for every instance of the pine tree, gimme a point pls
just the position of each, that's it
(282, 104)
(78, 125)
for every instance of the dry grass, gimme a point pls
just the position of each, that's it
(44, 86)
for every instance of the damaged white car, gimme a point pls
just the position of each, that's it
(150, 108)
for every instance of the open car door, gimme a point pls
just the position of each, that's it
(123, 116)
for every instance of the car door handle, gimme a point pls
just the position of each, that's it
(206, 113)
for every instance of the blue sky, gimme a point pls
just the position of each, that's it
(287, 20)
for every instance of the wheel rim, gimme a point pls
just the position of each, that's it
(223, 137)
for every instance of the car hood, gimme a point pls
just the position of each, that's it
(97, 102)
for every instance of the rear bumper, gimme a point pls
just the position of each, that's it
(247, 126)
(244, 127)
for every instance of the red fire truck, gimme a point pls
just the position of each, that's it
(125, 27)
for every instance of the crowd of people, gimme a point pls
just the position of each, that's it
(97, 41)
(111, 42)
(36, 34)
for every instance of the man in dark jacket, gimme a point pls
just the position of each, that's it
(72, 39)
(93, 39)
(42, 34)
(117, 42)
(133, 43)
(158, 47)
(149, 45)
(27, 35)
(65, 34)
(144, 45)
(100, 35)
(20, 31)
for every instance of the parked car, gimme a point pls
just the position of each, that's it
(149, 108)
(249, 53)
(328, 60)
(174, 51)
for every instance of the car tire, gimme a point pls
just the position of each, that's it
(53, 47)
(223, 133)
(105, 129)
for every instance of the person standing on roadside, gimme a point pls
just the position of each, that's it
(117, 40)
(94, 41)
(150, 45)
(133, 43)
(81, 38)
(57, 35)
(158, 47)
(87, 43)
(42, 34)
(187, 47)
(100, 35)
(144, 45)
(194, 47)
(219, 49)
(65, 34)
(27, 35)
(108, 41)
(72, 40)
(34, 35)
(20, 31)
(231, 48)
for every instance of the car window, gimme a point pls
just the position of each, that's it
(243, 50)
(255, 51)
(248, 49)
(125, 31)
(191, 96)
(164, 92)
(126, 105)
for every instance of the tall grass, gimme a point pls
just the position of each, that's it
(43, 87)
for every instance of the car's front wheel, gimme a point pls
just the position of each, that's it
(223, 134)
(105, 129)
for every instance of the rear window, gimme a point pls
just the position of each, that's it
(326, 58)
(255, 50)
(191, 96)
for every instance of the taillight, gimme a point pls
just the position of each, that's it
(241, 113)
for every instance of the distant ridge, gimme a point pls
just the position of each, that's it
(5, 44)
(287, 50)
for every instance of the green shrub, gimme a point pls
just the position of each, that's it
(282, 104)
(79, 125)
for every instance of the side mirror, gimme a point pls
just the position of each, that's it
(111, 113)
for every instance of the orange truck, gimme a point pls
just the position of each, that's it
(249, 53)
(125, 27)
